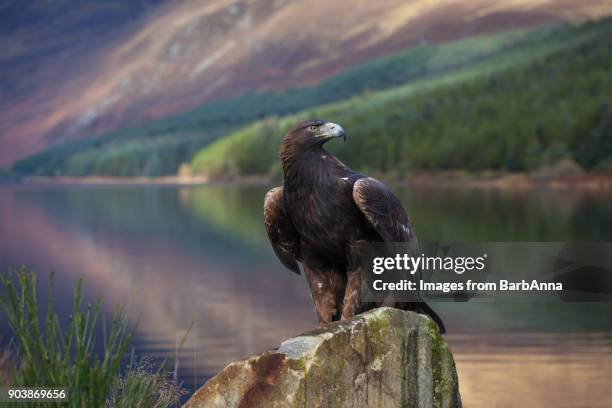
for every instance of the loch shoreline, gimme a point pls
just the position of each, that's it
(446, 179)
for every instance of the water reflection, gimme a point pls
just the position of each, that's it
(199, 254)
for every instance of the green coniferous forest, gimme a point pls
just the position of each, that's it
(516, 118)
(511, 101)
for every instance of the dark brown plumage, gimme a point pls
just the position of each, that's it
(322, 217)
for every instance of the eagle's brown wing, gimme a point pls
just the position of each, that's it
(383, 210)
(283, 236)
(385, 213)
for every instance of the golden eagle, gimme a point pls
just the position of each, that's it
(322, 216)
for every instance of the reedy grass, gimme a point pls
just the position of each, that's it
(4, 368)
(48, 356)
(144, 386)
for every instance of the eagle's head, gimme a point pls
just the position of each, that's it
(313, 133)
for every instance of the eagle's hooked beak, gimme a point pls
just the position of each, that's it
(332, 130)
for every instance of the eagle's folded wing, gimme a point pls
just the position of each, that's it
(385, 213)
(283, 236)
(383, 210)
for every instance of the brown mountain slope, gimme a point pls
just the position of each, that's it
(186, 53)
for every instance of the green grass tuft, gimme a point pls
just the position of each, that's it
(47, 355)
(144, 386)
(4, 368)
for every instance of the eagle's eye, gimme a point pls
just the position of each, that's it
(314, 128)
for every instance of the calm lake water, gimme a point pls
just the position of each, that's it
(177, 255)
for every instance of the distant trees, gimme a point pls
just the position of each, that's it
(510, 101)
(518, 118)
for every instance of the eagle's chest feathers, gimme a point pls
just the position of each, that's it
(322, 208)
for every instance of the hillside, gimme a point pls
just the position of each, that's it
(47, 47)
(76, 69)
(160, 147)
(530, 107)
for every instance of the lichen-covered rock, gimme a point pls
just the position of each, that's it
(383, 358)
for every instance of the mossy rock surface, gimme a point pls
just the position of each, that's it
(383, 358)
